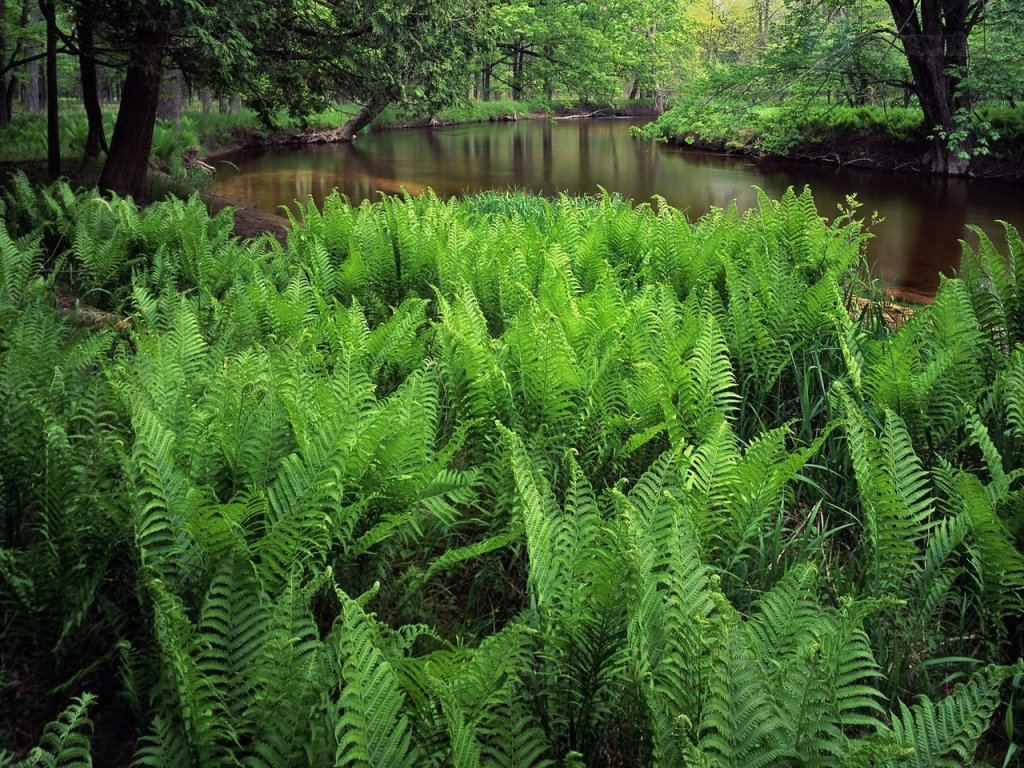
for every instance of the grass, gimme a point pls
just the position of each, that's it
(776, 128)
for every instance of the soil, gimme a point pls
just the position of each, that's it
(76, 171)
(251, 222)
(871, 151)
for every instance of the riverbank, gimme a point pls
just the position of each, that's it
(182, 156)
(323, 129)
(867, 137)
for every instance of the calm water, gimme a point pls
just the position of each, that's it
(925, 217)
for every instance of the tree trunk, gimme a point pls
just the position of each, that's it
(169, 107)
(935, 45)
(236, 104)
(33, 82)
(128, 160)
(5, 110)
(52, 102)
(96, 140)
(485, 84)
(763, 9)
(8, 97)
(207, 99)
(361, 119)
(517, 72)
(223, 105)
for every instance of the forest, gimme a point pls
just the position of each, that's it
(509, 478)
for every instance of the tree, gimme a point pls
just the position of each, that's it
(49, 11)
(584, 48)
(934, 35)
(147, 34)
(294, 54)
(96, 140)
(19, 33)
(373, 54)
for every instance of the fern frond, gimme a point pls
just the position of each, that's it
(946, 733)
(372, 728)
(66, 741)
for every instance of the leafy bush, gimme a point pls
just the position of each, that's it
(776, 128)
(499, 481)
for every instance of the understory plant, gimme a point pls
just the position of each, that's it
(500, 482)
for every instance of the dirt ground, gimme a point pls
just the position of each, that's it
(251, 222)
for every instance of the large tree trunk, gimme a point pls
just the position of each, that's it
(96, 140)
(52, 102)
(361, 119)
(128, 160)
(935, 44)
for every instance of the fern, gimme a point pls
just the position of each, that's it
(946, 733)
(66, 741)
(371, 727)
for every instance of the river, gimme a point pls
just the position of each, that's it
(924, 217)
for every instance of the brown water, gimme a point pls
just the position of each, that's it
(925, 217)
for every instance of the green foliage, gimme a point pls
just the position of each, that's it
(777, 129)
(65, 742)
(501, 481)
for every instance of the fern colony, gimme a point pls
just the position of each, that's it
(501, 482)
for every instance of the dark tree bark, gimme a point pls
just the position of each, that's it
(124, 173)
(361, 119)
(96, 140)
(223, 105)
(52, 103)
(485, 84)
(8, 97)
(934, 36)
(518, 62)
(207, 99)
(5, 107)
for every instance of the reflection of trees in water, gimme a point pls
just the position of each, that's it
(585, 176)
(520, 147)
(940, 223)
(548, 158)
(924, 216)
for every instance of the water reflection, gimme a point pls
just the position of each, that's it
(925, 217)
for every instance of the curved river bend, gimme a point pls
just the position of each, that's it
(925, 217)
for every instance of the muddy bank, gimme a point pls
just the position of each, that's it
(250, 222)
(865, 151)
